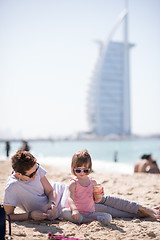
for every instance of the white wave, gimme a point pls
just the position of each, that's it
(111, 167)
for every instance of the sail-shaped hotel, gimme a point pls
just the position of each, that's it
(108, 99)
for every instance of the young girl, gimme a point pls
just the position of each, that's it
(80, 199)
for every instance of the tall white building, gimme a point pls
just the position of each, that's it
(108, 101)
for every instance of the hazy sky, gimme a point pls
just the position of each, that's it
(47, 51)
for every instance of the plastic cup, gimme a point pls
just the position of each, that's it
(98, 192)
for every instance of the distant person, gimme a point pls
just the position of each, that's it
(146, 165)
(115, 156)
(25, 146)
(7, 148)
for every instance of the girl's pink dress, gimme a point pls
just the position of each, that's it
(84, 197)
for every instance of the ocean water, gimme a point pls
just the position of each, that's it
(102, 152)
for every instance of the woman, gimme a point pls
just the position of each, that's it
(29, 189)
(146, 165)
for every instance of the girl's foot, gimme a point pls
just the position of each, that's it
(105, 219)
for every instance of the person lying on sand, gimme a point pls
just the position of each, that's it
(29, 189)
(146, 165)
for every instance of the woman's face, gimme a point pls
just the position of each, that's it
(30, 174)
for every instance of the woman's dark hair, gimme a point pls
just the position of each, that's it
(144, 156)
(22, 161)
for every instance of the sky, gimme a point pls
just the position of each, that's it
(47, 53)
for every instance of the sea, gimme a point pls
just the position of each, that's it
(59, 153)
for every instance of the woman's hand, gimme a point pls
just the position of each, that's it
(38, 215)
(51, 211)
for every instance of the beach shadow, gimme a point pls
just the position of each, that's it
(144, 219)
(113, 227)
(44, 226)
(149, 219)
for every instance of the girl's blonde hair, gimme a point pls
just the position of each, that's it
(81, 158)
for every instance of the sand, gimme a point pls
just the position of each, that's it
(142, 188)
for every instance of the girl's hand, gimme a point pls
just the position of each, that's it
(75, 214)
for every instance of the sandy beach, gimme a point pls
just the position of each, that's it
(142, 188)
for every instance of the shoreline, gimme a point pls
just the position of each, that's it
(142, 188)
(106, 167)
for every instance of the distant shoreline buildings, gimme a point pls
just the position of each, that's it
(108, 100)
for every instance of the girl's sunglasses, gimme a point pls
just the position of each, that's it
(86, 170)
(33, 173)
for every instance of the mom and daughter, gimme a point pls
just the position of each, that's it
(29, 189)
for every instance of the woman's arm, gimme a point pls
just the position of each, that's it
(36, 215)
(15, 217)
(52, 196)
(48, 189)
